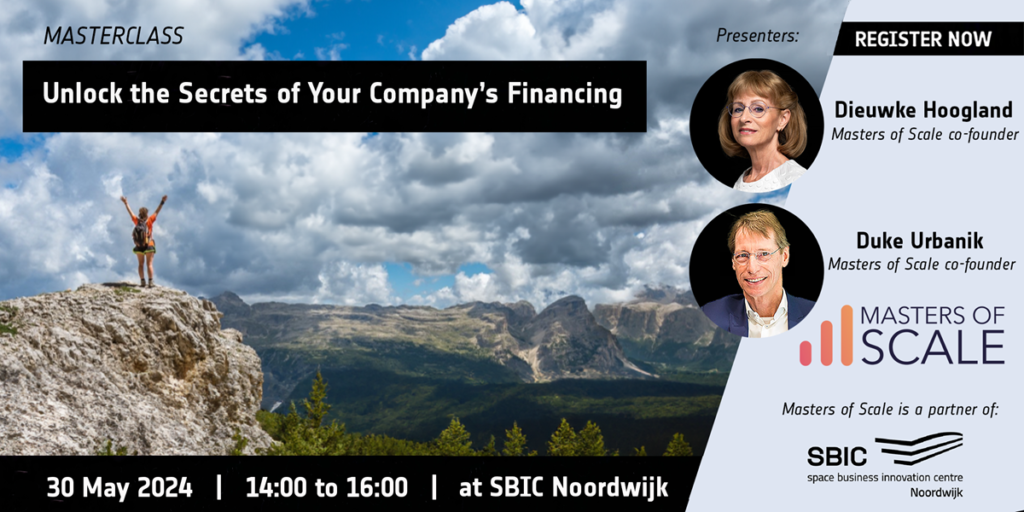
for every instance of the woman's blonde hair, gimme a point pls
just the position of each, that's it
(792, 139)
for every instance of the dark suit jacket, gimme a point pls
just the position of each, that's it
(730, 314)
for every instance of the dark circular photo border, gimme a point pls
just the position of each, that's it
(708, 105)
(711, 273)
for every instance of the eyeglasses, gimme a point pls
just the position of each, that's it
(757, 109)
(762, 256)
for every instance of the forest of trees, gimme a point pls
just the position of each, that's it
(308, 434)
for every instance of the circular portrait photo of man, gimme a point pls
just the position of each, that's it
(756, 270)
(756, 125)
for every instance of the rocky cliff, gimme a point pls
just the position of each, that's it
(565, 340)
(148, 369)
(665, 325)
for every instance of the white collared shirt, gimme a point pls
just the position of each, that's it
(758, 327)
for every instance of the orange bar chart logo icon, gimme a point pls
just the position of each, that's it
(845, 345)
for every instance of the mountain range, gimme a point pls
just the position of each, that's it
(482, 342)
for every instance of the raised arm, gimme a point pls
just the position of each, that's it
(158, 208)
(129, 208)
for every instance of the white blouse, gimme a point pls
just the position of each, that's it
(779, 177)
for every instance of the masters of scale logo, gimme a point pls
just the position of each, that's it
(889, 337)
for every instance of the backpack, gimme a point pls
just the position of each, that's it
(140, 234)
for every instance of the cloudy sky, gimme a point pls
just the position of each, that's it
(390, 218)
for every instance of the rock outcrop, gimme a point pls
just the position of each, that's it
(565, 341)
(664, 325)
(147, 369)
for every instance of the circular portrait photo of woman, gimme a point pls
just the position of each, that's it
(756, 125)
(756, 270)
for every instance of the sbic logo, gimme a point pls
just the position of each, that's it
(837, 456)
(846, 341)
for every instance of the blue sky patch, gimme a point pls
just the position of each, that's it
(12, 148)
(363, 30)
(406, 284)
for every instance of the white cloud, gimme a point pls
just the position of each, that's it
(491, 32)
(350, 284)
(478, 287)
(332, 52)
(313, 217)
(112, 185)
